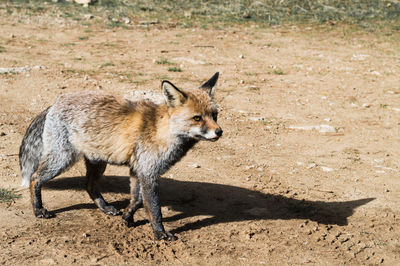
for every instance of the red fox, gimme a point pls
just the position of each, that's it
(105, 129)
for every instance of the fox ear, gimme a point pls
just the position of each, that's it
(209, 85)
(174, 97)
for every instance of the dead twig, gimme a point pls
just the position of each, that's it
(204, 46)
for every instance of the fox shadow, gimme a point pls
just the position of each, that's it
(221, 203)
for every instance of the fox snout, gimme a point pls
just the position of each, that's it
(218, 134)
(212, 133)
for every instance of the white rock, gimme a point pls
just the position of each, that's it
(327, 129)
(14, 70)
(189, 60)
(248, 167)
(376, 73)
(386, 168)
(326, 169)
(359, 57)
(311, 165)
(257, 118)
(303, 127)
(85, 3)
(126, 20)
(320, 128)
(88, 16)
(38, 67)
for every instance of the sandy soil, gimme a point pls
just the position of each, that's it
(276, 189)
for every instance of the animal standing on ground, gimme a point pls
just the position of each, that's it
(105, 129)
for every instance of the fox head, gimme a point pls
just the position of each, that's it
(192, 112)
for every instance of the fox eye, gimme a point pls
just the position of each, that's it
(215, 116)
(197, 118)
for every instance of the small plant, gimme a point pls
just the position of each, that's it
(109, 44)
(278, 72)
(68, 44)
(83, 38)
(164, 61)
(174, 69)
(7, 195)
(161, 77)
(114, 23)
(2, 49)
(107, 64)
(248, 73)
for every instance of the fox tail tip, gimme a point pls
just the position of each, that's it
(25, 183)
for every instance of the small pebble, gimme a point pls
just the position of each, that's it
(195, 165)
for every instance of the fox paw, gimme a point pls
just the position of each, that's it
(111, 210)
(43, 213)
(128, 221)
(164, 236)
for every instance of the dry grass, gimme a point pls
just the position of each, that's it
(218, 13)
(7, 195)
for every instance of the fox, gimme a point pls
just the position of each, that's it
(147, 136)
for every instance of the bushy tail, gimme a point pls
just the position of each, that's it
(31, 148)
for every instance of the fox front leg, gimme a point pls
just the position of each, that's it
(136, 201)
(151, 202)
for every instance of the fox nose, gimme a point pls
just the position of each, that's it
(218, 132)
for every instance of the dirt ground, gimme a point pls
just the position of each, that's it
(277, 188)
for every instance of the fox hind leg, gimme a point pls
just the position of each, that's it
(51, 166)
(94, 170)
(136, 201)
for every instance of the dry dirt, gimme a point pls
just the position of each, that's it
(268, 192)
